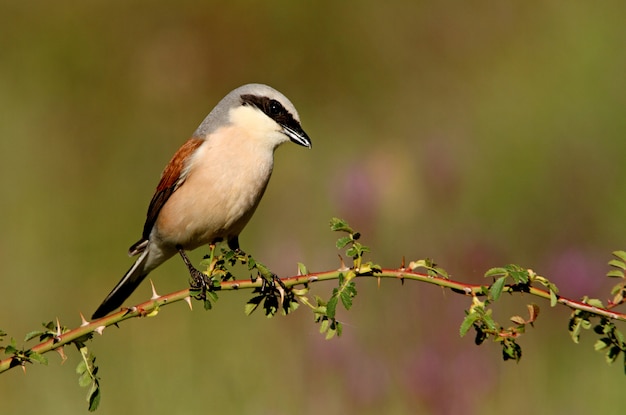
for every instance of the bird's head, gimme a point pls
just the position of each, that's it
(260, 109)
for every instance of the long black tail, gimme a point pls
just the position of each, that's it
(124, 288)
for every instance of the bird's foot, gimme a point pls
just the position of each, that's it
(199, 280)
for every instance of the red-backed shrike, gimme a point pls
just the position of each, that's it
(212, 185)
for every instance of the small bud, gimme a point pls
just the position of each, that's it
(152, 313)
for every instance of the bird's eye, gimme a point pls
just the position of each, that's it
(275, 107)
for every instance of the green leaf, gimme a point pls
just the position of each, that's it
(324, 325)
(37, 357)
(613, 354)
(330, 334)
(264, 271)
(302, 269)
(602, 344)
(331, 306)
(81, 367)
(574, 326)
(334, 329)
(343, 241)
(10, 349)
(293, 306)
(270, 305)
(496, 288)
(467, 323)
(251, 264)
(340, 225)
(33, 334)
(519, 275)
(87, 371)
(496, 272)
(615, 273)
(212, 295)
(489, 321)
(353, 251)
(84, 379)
(441, 272)
(553, 299)
(617, 288)
(346, 299)
(618, 264)
(620, 255)
(511, 350)
(93, 398)
(250, 307)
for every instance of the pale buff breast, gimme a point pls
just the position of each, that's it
(225, 181)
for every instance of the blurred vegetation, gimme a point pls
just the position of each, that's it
(476, 134)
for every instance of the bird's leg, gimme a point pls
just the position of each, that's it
(198, 278)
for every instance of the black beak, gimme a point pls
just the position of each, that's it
(297, 135)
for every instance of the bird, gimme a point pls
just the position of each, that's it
(214, 182)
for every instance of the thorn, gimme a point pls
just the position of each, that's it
(342, 267)
(403, 264)
(24, 368)
(188, 301)
(100, 329)
(83, 322)
(281, 290)
(155, 296)
(61, 352)
(378, 282)
(57, 336)
(58, 328)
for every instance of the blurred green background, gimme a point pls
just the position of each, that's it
(477, 134)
